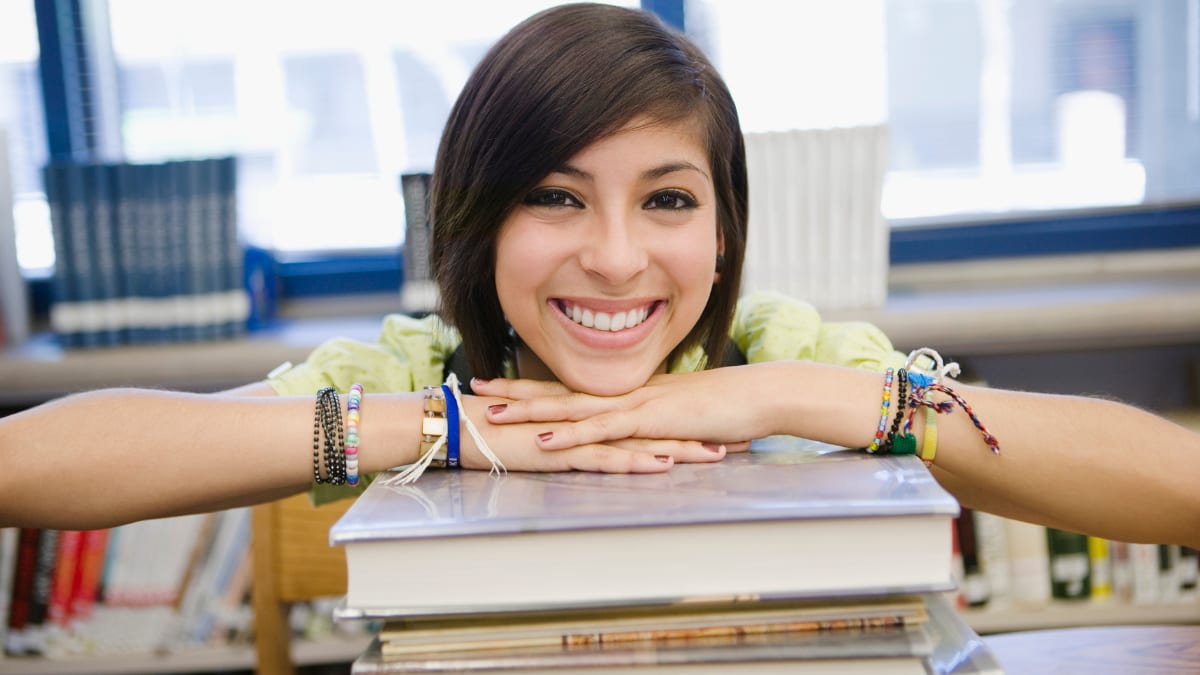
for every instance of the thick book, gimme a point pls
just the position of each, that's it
(640, 624)
(944, 645)
(790, 519)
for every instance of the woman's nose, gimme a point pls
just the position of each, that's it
(614, 251)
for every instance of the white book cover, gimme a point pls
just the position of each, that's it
(788, 519)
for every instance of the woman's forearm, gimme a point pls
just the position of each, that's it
(113, 456)
(1084, 464)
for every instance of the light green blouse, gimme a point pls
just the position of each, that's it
(411, 353)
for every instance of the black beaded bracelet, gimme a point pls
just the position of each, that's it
(901, 400)
(328, 419)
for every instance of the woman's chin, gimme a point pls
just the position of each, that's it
(606, 382)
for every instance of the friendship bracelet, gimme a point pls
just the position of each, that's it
(883, 411)
(353, 416)
(947, 406)
(452, 444)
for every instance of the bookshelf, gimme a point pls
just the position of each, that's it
(1065, 614)
(217, 658)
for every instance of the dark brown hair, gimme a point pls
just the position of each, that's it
(553, 85)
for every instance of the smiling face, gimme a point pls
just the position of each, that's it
(607, 264)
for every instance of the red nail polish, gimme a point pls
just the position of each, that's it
(545, 436)
(497, 409)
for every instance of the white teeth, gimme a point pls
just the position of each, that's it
(605, 321)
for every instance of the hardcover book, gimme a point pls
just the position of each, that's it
(791, 519)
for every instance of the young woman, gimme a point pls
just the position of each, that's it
(589, 205)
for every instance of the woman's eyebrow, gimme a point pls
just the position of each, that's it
(648, 174)
(671, 167)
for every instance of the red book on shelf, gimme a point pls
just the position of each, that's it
(87, 573)
(65, 563)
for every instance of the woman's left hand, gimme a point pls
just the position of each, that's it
(714, 407)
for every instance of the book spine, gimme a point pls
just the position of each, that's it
(21, 602)
(43, 586)
(418, 293)
(1189, 573)
(976, 590)
(1100, 565)
(1029, 563)
(129, 250)
(88, 572)
(62, 590)
(237, 307)
(217, 324)
(993, 555)
(1070, 577)
(102, 235)
(83, 273)
(63, 310)
(159, 315)
(9, 543)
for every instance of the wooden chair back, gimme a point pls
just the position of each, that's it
(293, 562)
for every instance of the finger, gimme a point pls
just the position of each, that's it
(511, 388)
(681, 451)
(609, 459)
(739, 446)
(564, 408)
(601, 428)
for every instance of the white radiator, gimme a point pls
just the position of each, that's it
(816, 231)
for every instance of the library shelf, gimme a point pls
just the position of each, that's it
(213, 659)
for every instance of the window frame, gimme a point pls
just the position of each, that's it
(1142, 227)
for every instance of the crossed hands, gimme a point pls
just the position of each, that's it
(689, 417)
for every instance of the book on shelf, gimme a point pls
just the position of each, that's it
(939, 642)
(788, 519)
(145, 252)
(9, 540)
(419, 292)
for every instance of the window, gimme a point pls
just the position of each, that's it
(325, 104)
(993, 106)
(21, 119)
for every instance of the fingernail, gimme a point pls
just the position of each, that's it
(497, 409)
(546, 436)
(665, 459)
(713, 447)
(479, 380)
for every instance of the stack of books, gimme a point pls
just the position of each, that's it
(795, 557)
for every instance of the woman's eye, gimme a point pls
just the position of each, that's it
(551, 198)
(672, 200)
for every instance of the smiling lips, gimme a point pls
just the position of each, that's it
(606, 321)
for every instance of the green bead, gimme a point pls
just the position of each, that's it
(904, 444)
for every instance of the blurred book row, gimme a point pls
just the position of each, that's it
(145, 252)
(154, 586)
(1004, 563)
